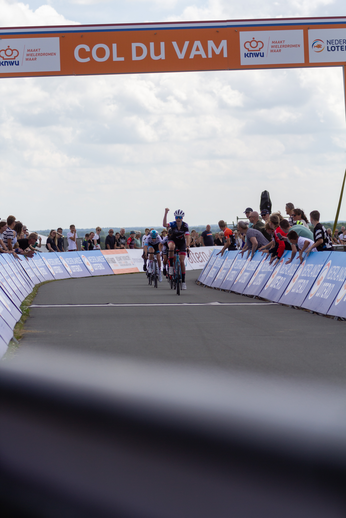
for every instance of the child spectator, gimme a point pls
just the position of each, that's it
(322, 242)
(298, 243)
(85, 243)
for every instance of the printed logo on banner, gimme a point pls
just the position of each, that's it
(320, 279)
(87, 263)
(295, 277)
(274, 274)
(48, 266)
(341, 294)
(29, 55)
(327, 45)
(65, 264)
(271, 47)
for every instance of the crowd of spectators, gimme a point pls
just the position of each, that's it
(272, 233)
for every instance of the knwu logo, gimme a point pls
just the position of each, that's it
(254, 48)
(8, 57)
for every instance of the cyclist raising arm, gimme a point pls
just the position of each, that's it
(179, 239)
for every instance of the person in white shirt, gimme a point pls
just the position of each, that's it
(298, 243)
(72, 239)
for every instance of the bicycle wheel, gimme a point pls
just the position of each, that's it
(178, 276)
(155, 274)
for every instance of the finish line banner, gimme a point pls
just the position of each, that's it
(172, 47)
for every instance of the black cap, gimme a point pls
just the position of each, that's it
(249, 209)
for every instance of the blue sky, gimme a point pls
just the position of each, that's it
(116, 150)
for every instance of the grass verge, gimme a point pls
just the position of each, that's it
(19, 330)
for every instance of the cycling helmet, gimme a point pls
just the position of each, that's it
(180, 213)
(153, 234)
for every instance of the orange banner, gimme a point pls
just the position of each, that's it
(120, 261)
(172, 47)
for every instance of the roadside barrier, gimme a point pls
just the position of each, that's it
(18, 277)
(318, 284)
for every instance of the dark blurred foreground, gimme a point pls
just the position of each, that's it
(84, 436)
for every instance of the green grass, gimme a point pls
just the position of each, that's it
(19, 330)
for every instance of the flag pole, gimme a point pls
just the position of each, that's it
(343, 183)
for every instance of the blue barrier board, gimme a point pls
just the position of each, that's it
(338, 307)
(208, 281)
(233, 272)
(303, 279)
(11, 313)
(74, 264)
(279, 279)
(27, 264)
(19, 272)
(9, 288)
(6, 332)
(208, 266)
(11, 280)
(328, 284)
(54, 265)
(96, 262)
(229, 258)
(259, 278)
(246, 273)
(44, 271)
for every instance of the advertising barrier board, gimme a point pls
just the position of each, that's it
(219, 260)
(229, 256)
(120, 261)
(74, 265)
(303, 279)
(338, 306)
(20, 273)
(6, 332)
(96, 263)
(207, 267)
(246, 273)
(279, 279)
(10, 306)
(29, 266)
(328, 283)
(54, 265)
(42, 267)
(259, 278)
(233, 272)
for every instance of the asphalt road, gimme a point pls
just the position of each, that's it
(201, 327)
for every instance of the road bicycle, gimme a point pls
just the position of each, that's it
(176, 278)
(153, 274)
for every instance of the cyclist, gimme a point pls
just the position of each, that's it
(179, 239)
(152, 245)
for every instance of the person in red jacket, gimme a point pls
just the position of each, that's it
(274, 222)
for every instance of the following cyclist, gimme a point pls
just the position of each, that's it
(178, 239)
(152, 244)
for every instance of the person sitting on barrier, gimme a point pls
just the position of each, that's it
(254, 239)
(298, 243)
(230, 243)
(153, 246)
(322, 242)
(52, 242)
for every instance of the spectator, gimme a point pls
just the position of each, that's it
(146, 233)
(258, 225)
(117, 241)
(298, 243)
(199, 240)
(85, 243)
(289, 212)
(3, 226)
(336, 240)
(299, 218)
(193, 238)
(91, 241)
(18, 231)
(207, 236)
(279, 249)
(322, 241)
(164, 233)
(122, 238)
(110, 240)
(238, 240)
(229, 237)
(247, 213)
(52, 242)
(265, 215)
(254, 238)
(219, 239)
(342, 236)
(27, 244)
(131, 240)
(60, 240)
(8, 234)
(138, 240)
(72, 239)
(301, 230)
(97, 239)
(26, 232)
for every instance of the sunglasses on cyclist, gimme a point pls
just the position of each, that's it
(178, 217)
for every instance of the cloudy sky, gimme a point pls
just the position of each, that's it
(116, 150)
